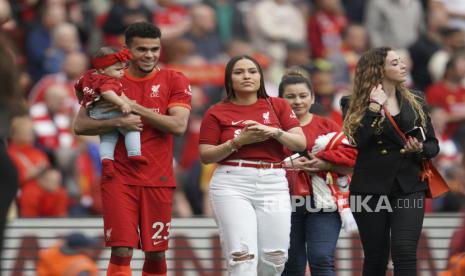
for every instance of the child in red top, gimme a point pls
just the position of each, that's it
(45, 198)
(102, 83)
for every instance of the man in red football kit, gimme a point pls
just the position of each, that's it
(137, 201)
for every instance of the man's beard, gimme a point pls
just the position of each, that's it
(146, 71)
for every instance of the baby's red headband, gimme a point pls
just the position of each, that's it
(108, 60)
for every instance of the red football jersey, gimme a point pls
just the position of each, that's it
(318, 126)
(158, 91)
(223, 122)
(92, 84)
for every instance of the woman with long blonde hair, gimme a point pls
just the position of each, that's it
(387, 171)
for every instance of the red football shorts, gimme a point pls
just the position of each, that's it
(136, 216)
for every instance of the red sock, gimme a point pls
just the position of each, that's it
(119, 266)
(150, 274)
(139, 159)
(154, 267)
(108, 169)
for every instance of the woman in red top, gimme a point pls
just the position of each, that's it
(245, 134)
(315, 229)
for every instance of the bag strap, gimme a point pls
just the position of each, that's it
(268, 100)
(426, 172)
(394, 124)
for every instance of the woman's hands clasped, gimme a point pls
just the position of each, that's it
(254, 132)
(310, 165)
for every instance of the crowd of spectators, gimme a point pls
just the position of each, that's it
(53, 41)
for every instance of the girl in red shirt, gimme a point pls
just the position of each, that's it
(245, 134)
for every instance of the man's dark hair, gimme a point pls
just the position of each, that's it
(141, 29)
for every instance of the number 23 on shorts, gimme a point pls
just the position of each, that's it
(162, 232)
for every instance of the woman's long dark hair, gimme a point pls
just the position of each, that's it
(10, 99)
(228, 85)
(8, 76)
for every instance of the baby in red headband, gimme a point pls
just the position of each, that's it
(103, 84)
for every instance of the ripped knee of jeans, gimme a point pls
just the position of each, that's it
(275, 258)
(241, 256)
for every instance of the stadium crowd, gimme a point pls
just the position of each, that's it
(53, 41)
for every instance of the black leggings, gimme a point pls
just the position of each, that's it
(399, 229)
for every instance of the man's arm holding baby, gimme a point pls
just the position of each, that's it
(112, 97)
(84, 125)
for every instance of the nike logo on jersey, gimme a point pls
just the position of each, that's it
(236, 122)
(157, 242)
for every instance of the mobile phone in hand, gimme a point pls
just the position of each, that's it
(418, 133)
(305, 154)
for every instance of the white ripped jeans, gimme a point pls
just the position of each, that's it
(253, 212)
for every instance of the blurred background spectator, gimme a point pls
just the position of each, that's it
(172, 19)
(456, 12)
(272, 24)
(52, 41)
(452, 41)
(230, 19)
(65, 40)
(39, 38)
(449, 94)
(325, 28)
(46, 199)
(394, 23)
(74, 65)
(121, 14)
(71, 256)
(204, 33)
(354, 43)
(449, 162)
(427, 43)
